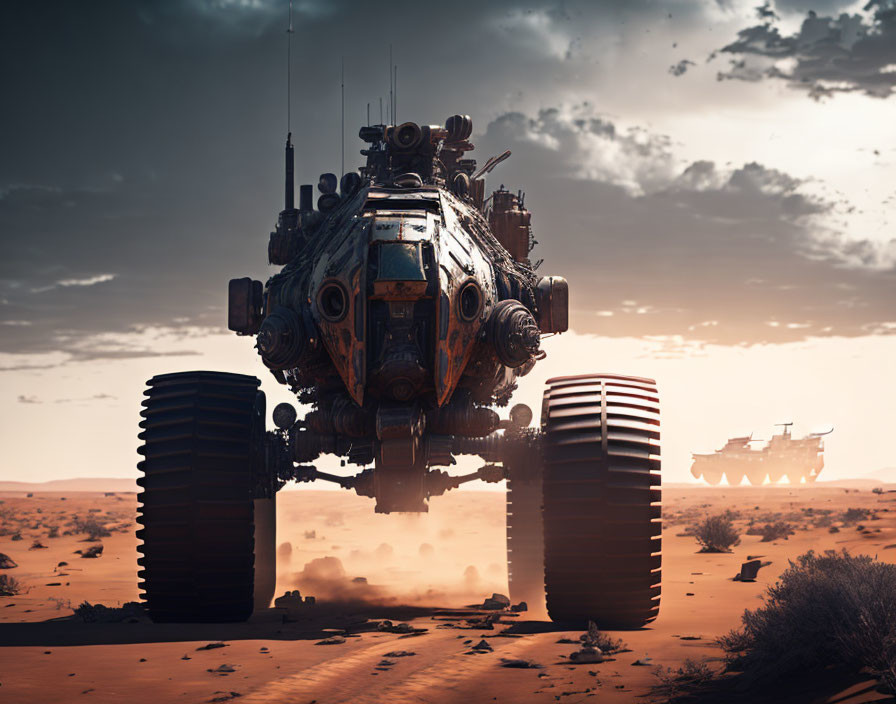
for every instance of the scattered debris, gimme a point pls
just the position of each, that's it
(296, 606)
(226, 697)
(37, 545)
(497, 602)
(643, 662)
(749, 570)
(406, 628)
(399, 654)
(131, 611)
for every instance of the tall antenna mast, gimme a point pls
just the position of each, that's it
(343, 119)
(395, 96)
(391, 115)
(289, 33)
(289, 196)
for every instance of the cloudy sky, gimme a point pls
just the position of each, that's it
(716, 179)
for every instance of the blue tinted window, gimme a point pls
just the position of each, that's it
(400, 261)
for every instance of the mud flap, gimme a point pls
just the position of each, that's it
(265, 552)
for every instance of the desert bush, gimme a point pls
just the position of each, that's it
(716, 534)
(771, 531)
(91, 526)
(854, 515)
(9, 586)
(596, 638)
(830, 610)
(53, 532)
(691, 678)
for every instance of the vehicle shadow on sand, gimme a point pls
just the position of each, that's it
(269, 625)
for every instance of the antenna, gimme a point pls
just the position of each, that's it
(289, 33)
(343, 118)
(395, 96)
(381, 110)
(368, 113)
(391, 84)
(289, 195)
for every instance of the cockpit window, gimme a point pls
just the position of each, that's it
(400, 261)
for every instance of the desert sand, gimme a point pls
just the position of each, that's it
(415, 569)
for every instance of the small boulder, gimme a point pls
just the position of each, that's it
(6, 562)
(483, 646)
(522, 606)
(587, 654)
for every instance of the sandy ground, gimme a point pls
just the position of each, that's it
(415, 568)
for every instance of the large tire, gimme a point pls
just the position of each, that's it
(525, 539)
(203, 448)
(602, 513)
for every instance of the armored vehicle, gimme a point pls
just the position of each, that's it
(799, 459)
(405, 312)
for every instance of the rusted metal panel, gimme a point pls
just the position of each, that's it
(461, 267)
(344, 332)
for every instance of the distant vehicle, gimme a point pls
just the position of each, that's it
(799, 459)
(406, 309)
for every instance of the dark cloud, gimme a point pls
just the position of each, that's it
(680, 68)
(828, 55)
(733, 256)
(142, 141)
(142, 157)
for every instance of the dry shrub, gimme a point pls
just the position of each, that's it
(855, 515)
(831, 610)
(692, 678)
(91, 526)
(716, 534)
(772, 531)
(596, 638)
(9, 586)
